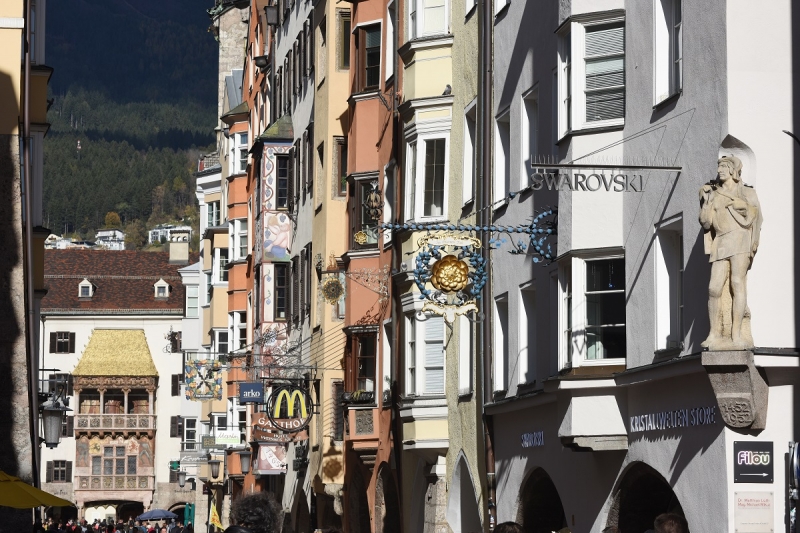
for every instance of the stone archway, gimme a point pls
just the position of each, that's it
(387, 506)
(540, 509)
(642, 494)
(462, 505)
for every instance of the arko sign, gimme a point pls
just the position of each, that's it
(251, 392)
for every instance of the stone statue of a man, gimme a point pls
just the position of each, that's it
(731, 218)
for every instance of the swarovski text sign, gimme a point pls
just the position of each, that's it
(554, 180)
(290, 408)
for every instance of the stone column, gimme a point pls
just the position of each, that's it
(125, 392)
(102, 401)
(150, 402)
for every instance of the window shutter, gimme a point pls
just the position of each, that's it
(68, 477)
(338, 410)
(70, 382)
(70, 430)
(49, 472)
(605, 72)
(173, 476)
(180, 427)
(311, 50)
(434, 355)
(295, 289)
(290, 181)
(173, 427)
(71, 343)
(52, 343)
(176, 384)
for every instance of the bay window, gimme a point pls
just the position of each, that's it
(366, 206)
(369, 47)
(239, 243)
(424, 358)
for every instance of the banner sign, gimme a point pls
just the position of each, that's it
(271, 459)
(203, 380)
(227, 437)
(208, 442)
(251, 393)
(290, 408)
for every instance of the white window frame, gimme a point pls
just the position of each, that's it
(219, 270)
(526, 335)
(238, 230)
(502, 157)
(529, 133)
(192, 294)
(415, 191)
(415, 364)
(572, 73)
(416, 28)
(470, 149)
(213, 213)
(667, 49)
(499, 5)
(217, 341)
(238, 329)
(500, 339)
(390, 46)
(161, 284)
(190, 445)
(208, 282)
(85, 284)
(668, 277)
(577, 265)
(466, 340)
(242, 150)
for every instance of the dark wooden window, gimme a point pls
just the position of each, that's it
(281, 288)
(62, 342)
(370, 56)
(176, 427)
(68, 426)
(366, 363)
(58, 472)
(344, 40)
(365, 203)
(295, 289)
(176, 384)
(337, 418)
(340, 165)
(282, 181)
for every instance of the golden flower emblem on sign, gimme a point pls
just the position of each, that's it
(450, 274)
(332, 290)
(360, 237)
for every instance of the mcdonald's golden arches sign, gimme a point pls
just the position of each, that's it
(290, 408)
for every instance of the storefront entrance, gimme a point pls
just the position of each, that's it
(642, 495)
(540, 509)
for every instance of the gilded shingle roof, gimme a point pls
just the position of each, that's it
(116, 352)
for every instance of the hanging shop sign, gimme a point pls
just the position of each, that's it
(753, 462)
(271, 459)
(290, 408)
(227, 437)
(679, 418)
(203, 380)
(251, 392)
(534, 439)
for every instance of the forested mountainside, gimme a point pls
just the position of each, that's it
(135, 87)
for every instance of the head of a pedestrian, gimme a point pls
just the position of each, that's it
(255, 513)
(670, 523)
(508, 527)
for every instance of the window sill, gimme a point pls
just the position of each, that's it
(423, 43)
(668, 353)
(668, 100)
(591, 130)
(500, 15)
(362, 95)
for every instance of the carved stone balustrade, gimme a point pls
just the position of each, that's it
(115, 424)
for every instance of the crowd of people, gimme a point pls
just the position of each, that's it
(106, 526)
(260, 513)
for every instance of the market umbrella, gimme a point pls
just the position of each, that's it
(16, 493)
(156, 514)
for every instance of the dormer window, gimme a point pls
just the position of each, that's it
(85, 289)
(162, 289)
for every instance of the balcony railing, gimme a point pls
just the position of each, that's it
(97, 422)
(114, 482)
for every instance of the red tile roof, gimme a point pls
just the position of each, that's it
(123, 280)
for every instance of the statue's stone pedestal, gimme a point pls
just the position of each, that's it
(741, 392)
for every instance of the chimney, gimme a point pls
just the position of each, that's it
(179, 246)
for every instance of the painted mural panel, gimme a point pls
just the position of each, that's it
(277, 225)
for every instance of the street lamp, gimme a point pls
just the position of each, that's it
(214, 465)
(244, 460)
(271, 13)
(182, 478)
(53, 411)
